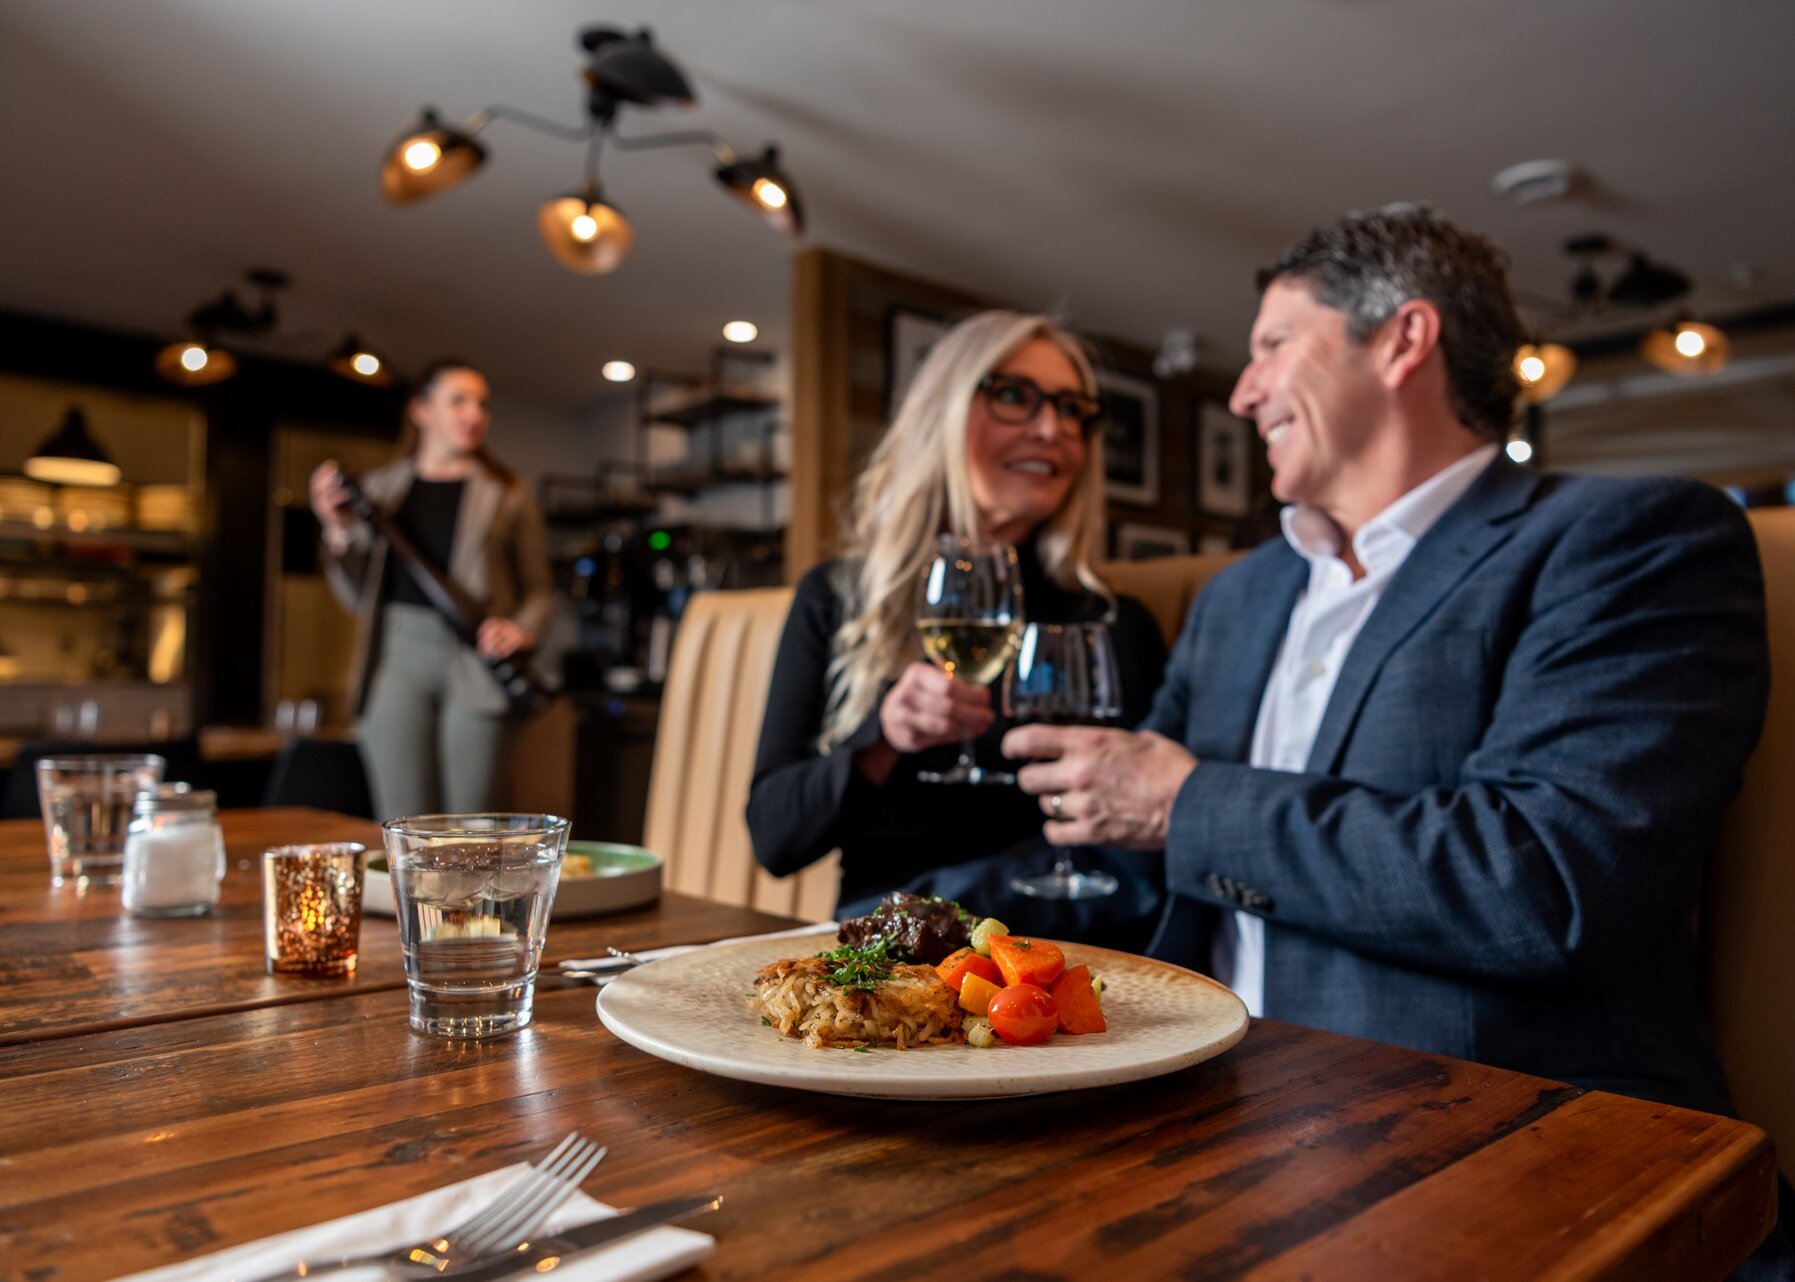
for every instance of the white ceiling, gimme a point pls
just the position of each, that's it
(1130, 162)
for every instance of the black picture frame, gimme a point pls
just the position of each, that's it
(909, 335)
(1130, 440)
(1222, 462)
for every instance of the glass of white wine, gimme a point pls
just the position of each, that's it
(1065, 674)
(970, 616)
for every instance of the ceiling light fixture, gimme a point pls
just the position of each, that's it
(71, 456)
(198, 360)
(354, 359)
(1542, 370)
(741, 331)
(1688, 347)
(583, 232)
(618, 371)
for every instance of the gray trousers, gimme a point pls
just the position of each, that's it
(426, 753)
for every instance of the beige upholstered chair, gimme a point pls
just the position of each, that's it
(704, 757)
(710, 724)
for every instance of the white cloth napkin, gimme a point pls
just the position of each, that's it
(657, 1253)
(674, 950)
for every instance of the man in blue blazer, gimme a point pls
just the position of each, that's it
(1440, 766)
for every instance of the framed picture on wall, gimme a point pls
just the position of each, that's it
(909, 336)
(1223, 466)
(1135, 542)
(1130, 440)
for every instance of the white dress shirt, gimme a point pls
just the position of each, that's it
(1323, 625)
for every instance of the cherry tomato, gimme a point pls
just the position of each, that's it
(1023, 1015)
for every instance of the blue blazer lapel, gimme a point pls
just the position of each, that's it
(1464, 535)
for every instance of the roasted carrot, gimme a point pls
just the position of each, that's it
(1077, 1004)
(956, 966)
(1026, 961)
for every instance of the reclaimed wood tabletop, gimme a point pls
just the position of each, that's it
(1296, 1154)
(73, 961)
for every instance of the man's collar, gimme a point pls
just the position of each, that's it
(1386, 538)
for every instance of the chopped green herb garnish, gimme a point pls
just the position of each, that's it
(765, 1022)
(864, 1050)
(862, 967)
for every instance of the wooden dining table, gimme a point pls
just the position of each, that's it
(165, 1099)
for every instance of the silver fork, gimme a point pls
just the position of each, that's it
(505, 1223)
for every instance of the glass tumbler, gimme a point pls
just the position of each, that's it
(473, 894)
(87, 801)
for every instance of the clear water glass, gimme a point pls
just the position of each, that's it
(87, 801)
(473, 894)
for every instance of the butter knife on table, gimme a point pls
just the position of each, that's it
(566, 1244)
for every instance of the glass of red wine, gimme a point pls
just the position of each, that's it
(1064, 674)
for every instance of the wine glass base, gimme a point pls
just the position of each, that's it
(1066, 885)
(966, 774)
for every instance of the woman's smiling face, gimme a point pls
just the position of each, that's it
(1022, 473)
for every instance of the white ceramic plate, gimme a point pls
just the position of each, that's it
(693, 1010)
(621, 877)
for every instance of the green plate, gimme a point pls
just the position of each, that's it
(621, 877)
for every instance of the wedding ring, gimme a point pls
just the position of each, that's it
(1053, 806)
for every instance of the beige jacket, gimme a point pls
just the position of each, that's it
(499, 556)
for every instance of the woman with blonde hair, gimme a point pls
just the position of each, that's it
(997, 438)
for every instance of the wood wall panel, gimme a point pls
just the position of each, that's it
(841, 314)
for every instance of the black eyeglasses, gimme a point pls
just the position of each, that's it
(1017, 399)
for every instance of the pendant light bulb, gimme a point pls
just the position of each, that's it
(421, 155)
(429, 158)
(356, 361)
(1689, 348)
(1542, 369)
(194, 363)
(585, 234)
(769, 193)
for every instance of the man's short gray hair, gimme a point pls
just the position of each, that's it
(1369, 263)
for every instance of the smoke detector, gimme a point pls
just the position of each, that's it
(1533, 181)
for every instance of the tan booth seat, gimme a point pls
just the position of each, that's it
(710, 726)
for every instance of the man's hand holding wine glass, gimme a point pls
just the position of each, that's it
(1101, 787)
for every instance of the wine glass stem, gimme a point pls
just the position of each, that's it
(1062, 866)
(966, 761)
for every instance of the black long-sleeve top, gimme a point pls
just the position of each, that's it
(803, 804)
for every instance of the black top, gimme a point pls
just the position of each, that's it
(803, 804)
(427, 516)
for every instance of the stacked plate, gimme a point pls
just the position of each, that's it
(23, 500)
(165, 507)
(81, 508)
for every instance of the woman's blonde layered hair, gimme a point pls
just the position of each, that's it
(918, 485)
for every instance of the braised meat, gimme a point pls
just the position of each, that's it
(913, 928)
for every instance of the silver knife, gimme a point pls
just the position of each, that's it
(546, 1255)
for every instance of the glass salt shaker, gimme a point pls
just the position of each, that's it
(174, 852)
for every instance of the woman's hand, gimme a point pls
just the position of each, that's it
(927, 708)
(501, 638)
(328, 498)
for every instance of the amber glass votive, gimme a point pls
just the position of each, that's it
(311, 908)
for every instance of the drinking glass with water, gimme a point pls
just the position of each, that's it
(87, 799)
(473, 894)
